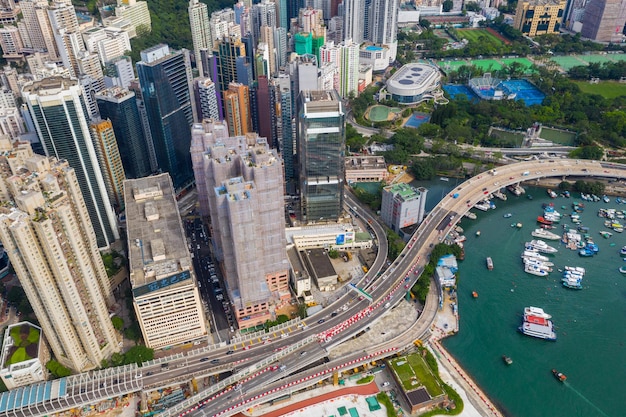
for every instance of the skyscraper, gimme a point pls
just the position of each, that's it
(237, 109)
(57, 108)
(200, 30)
(244, 184)
(285, 128)
(205, 95)
(321, 148)
(348, 68)
(353, 20)
(604, 20)
(110, 161)
(165, 79)
(165, 293)
(227, 50)
(51, 243)
(383, 29)
(266, 105)
(119, 106)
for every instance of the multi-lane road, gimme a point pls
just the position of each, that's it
(297, 356)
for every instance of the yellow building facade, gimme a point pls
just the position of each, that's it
(539, 17)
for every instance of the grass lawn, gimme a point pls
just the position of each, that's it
(479, 35)
(607, 89)
(414, 373)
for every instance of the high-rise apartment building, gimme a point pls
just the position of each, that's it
(165, 293)
(110, 161)
(11, 42)
(35, 27)
(353, 20)
(120, 107)
(205, 95)
(200, 30)
(47, 232)
(165, 79)
(263, 14)
(285, 127)
(604, 20)
(135, 88)
(266, 105)
(57, 109)
(348, 69)
(539, 17)
(136, 12)
(244, 185)
(321, 142)
(383, 25)
(237, 109)
(119, 72)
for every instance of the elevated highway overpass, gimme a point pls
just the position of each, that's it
(325, 329)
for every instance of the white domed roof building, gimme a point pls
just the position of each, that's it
(413, 83)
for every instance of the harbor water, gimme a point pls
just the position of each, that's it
(590, 323)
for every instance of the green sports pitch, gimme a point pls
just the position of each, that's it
(479, 35)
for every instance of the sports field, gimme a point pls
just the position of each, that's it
(380, 113)
(607, 89)
(513, 139)
(479, 35)
(558, 136)
(485, 64)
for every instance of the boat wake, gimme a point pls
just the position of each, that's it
(568, 385)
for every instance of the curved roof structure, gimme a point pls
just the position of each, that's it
(413, 79)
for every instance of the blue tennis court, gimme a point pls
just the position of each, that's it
(417, 119)
(523, 90)
(454, 90)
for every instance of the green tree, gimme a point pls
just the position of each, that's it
(333, 254)
(56, 369)
(395, 245)
(138, 354)
(423, 169)
(117, 359)
(447, 5)
(133, 332)
(117, 322)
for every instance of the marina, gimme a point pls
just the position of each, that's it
(582, 318)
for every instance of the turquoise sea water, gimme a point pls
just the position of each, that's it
(590, 324)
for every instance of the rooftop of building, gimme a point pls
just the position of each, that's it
(331, 229)
(114, 93)
(320, 263)
(21, 344)
(321, 101)
(545, 2)
(413, 75)
(156, 242)
(404, 191)
(365, 162)
(50, 86)
(373, 48)
(298, 269)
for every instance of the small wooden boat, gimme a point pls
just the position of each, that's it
(507, 360)
(474, 294)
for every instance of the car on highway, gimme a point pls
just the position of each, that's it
(321, 321)
(204, 359)
(230, 352)
(303, 353)
(214, 360)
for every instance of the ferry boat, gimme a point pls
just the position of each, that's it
(533, 254)
(507, 360)
(537, 324)
(559, 375)
(489, 263)
(545, 234)
(541, 246)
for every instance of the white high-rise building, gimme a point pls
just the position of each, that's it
(353, 20)
(348, 68)
(165, 290)
(384, 25)
(206, 99)
(222, 22)
(119, 72)
(263, 14)
(200, 30)
(35, 27)
(52, 246)
(136, 12)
